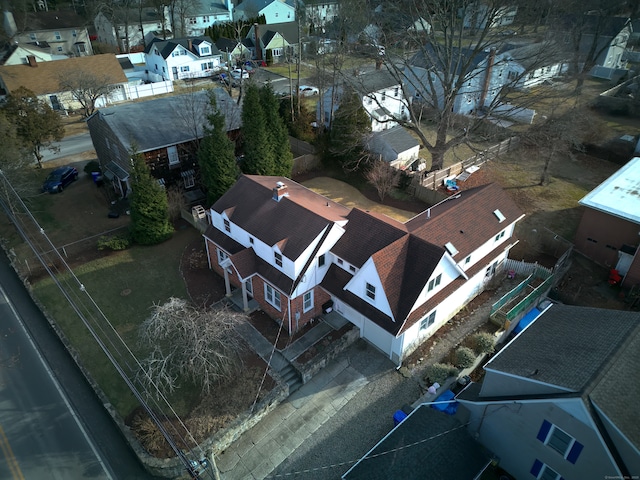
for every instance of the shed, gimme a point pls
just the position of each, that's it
(395, 146)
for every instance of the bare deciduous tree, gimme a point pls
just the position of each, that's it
(202, 345)
(383, 177)
(86, 88)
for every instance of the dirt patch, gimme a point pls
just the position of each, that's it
(205, 287)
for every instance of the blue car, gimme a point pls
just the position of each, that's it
(59, 179)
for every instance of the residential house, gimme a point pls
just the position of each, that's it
(476, 15)
(606, 38)
(426, 444)
(610, 227)
(19, 54)
(43, 79)
(274, 11)
(232, 51)
(532, 65)
(394, 146)
(169, 140)
(128, 30)
(199, 15)
(180, 58)
(381, 93)
(299, 255)
(60, 32)
(559, 400)
(273, 43)
(318, 13)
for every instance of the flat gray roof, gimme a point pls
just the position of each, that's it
(619, 194)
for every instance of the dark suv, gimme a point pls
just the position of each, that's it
(59, 179)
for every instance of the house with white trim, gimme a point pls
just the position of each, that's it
(300, 255)
(560, 399)
(129, 29)
(274, 11)
(199, 15)
(180, 58)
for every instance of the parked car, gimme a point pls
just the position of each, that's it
(238, 73)
(308, 91)
(226, 80)
(60, 179)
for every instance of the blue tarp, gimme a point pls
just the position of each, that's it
(527, 319)
(448, 408)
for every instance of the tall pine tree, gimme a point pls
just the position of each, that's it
(216, 156)
(258, 158)
(149, 206)
(349, 130)
(277, 134)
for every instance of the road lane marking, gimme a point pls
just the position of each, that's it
(12, 461)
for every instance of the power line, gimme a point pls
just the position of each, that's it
(94, 319)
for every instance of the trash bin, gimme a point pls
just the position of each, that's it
(96, 176)
(398, 417)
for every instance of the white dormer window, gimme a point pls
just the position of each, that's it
(57, 35)
(371, 291)
(434, 282)
(205, 50)
(501, 218)
(278, 259)
(227, 225)
(499, 236)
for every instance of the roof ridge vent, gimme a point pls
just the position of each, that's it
(499, 215)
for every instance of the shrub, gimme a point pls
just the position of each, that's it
(464, 357)
(482, 343)
(92, 166)
(116, 242)
(439, 372)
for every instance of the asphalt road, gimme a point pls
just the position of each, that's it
(72, 145)
(51, 423)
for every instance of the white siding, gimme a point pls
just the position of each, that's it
(358, 286)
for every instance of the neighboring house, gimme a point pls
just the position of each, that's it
(128, 29)
(476, 15)
(610, 227)
(199, 15)
(427, 444)
(395, 146)
(382, 98)
(560, 400)
(19, 54)
(532, 65)
(169, 140)
(607, 37)
(299, 254)
(43, 79)
(275, 42)
(61, 32)
(180, 58)
(233, 51)
(274, 11)
(486, 73)
(318, 13)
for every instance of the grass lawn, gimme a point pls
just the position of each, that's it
(124, 285)
(349, 196)
(283, 69)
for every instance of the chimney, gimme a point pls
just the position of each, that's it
(190, 44)
(487, 81)
(280, 191)
(32, 60)
(256, 41)
(378, 64)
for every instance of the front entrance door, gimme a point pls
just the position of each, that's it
(249, 288)
(174, 70)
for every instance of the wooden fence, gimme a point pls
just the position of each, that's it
(432, 180)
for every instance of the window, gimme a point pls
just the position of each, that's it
(467, 260)
(74, 33)
(60, 49)
(227, 225)
(307, 301)
(251, 240)
(57, 35)
(500, 235)
(428, 321)
(33, 37)
(543, 472)
(193, 21)
(272, 296)
(434, 282)
(189, 179)
(205, 50)
(592, 240)
(352, 268)
(384, 96)
(205, 18)
(172, 153)
(80, 47)
(276, 52)
(278, 258)
(396, 91)
(321, 260)
(560, 441)
(221, 256)
(511, 76)
(340, 262)
(371, 291)
(184, 69)
(249, 286)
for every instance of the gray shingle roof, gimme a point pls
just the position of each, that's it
(370, 81)
(567, 346)
(166, 47)
(426, 445)
(164, 122)
(397, 138)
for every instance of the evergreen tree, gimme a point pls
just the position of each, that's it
(277, 134)
(149, 206)
(350, 127)
(258, 159)
(216, 155)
